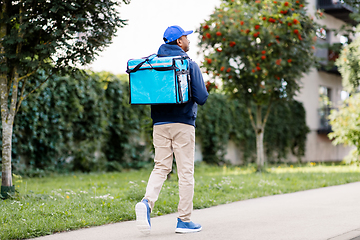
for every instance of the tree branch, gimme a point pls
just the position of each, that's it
(21, 96)
(21, 99)
(13, 103)
(28, 75)
(267, 114)
(23, 87)
(15, 84)
(251, 118)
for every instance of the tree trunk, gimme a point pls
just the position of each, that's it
(8, 111)
(7, 129)
(260, 155)
(7, 120)
(259, 128)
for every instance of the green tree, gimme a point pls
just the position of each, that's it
(260, 49)
(56, 37)
(345, 121)
(345, 124)
(348, 66)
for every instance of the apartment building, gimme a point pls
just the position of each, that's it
(322, 88)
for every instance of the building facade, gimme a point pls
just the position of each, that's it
(322, 88)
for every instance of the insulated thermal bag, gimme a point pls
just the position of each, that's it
(159, 80)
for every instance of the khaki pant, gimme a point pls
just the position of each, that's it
(179, 139)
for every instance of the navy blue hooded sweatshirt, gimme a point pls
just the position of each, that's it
(186, 112)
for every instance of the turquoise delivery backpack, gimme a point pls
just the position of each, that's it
(159, 80)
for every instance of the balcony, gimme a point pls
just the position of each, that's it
(324, 125)
(327, 55)
(337, 9)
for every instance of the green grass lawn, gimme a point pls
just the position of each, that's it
(60, 203)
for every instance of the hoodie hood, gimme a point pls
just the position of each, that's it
(171, 50)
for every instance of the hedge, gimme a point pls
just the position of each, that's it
(80, 124)
(223, 118)
(85, 123)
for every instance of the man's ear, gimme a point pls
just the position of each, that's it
(178, 41)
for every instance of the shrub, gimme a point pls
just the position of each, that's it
(222, 119)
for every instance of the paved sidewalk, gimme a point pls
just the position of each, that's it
(331, 213)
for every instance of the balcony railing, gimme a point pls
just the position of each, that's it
(324, 122)
(337, 9)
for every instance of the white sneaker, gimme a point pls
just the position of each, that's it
(142, 211)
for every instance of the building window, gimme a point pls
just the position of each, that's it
(324, 110)
(324, 96)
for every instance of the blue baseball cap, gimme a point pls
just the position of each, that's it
(174, 32)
